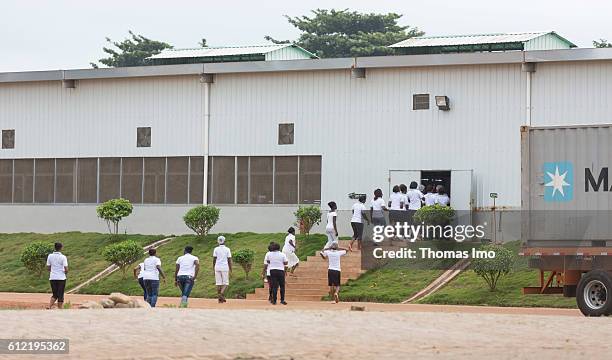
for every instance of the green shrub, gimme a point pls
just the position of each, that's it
(245, 258)
(122, 254)
(34, 256)
(113, 211)
(492, 269)
(307, 217)
(434, 215)
(201, 219)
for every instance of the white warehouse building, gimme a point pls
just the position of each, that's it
(273, 135)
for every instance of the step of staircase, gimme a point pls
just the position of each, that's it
(310, 282)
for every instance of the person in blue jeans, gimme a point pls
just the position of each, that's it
(187, 268)
(152, 271)
(138, 274)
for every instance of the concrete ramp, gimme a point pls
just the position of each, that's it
(442, 280)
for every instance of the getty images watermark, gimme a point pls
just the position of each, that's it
(456, 243)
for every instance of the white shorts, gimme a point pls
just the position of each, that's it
(221, 278)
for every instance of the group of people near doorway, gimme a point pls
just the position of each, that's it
(403, 198)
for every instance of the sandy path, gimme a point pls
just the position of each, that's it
(306, 334)
(39, 301)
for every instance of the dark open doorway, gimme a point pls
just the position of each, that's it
(436, 178)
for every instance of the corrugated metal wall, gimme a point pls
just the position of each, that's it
(572, 93)
(286, 53)
(364, 127)
(100, 117)
(546, 42)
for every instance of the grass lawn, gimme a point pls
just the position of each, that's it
(204, 286)
(387, 285)
(470, 289)
(82, 249)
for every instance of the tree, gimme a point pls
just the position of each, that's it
(307, 217)
(201, 219)
(132, 51)
(245, 258)
(492, 269)
(34, 256)
(602, 43)
(113, 211)
(122, 254)
(344, 33)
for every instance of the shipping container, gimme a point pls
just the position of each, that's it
(566, 207)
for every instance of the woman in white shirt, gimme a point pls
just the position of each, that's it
(441, 197)
(357, 221)
(377, 208)
(331, 229)
(276, 261)
(415, 197)
(430, 196)
(289, 250)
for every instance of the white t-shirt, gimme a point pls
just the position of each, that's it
(276, 260)
(430, 199)
(222, 253)
(357, 217)
(287, 247)
(330, 220)
(396, 199)
(414, 199)
(334, 258)
(150, 268)
(186, 265)
(442, 199)
(57, 261)
(141, 272)
(377, 206)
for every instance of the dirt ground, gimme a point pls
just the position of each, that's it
(165, 333)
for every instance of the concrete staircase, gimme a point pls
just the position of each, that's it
(310, 282)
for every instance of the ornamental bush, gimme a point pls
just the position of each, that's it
(202, 218)
(122, 254)
(34, 256)
(113, 211)
(307, 217)
(245, 258)
(434, 215)
(492, 269)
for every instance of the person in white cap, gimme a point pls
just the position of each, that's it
(222, 265)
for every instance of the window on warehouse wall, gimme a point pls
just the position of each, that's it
(310, 179)
(196, 180)
(177, 180)
(110, 178)
(131, 179)
(6, 181)
(286, 180)
(260, 179)
(154, 180)
(23, 181)
(65, 181)
(222, 179)
(87, 180)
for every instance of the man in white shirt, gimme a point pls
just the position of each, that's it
(187, 268)
(57, 265)
(333, 255)
(152, 270)
(276, 262)
(222, 265)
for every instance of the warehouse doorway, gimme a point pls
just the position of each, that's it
(458, 183)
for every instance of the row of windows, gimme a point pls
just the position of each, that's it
(264, 180)
(161, 180)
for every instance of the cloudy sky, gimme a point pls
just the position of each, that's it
(66, 34)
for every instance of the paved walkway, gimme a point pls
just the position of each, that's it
(164, 333)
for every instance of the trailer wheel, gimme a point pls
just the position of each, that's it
(593, 294)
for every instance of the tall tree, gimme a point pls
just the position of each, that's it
(344, 33)
(131, 52)
(602, 43)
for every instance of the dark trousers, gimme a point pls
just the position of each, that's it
(152, 287)
(278, 281)
(144, 289)
(57, 288)
(269, 287)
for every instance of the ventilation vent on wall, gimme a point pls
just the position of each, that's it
(143, 137)
(420, 102)
(285, 134)
(8, 139)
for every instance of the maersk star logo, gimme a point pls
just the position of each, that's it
(558, 181)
